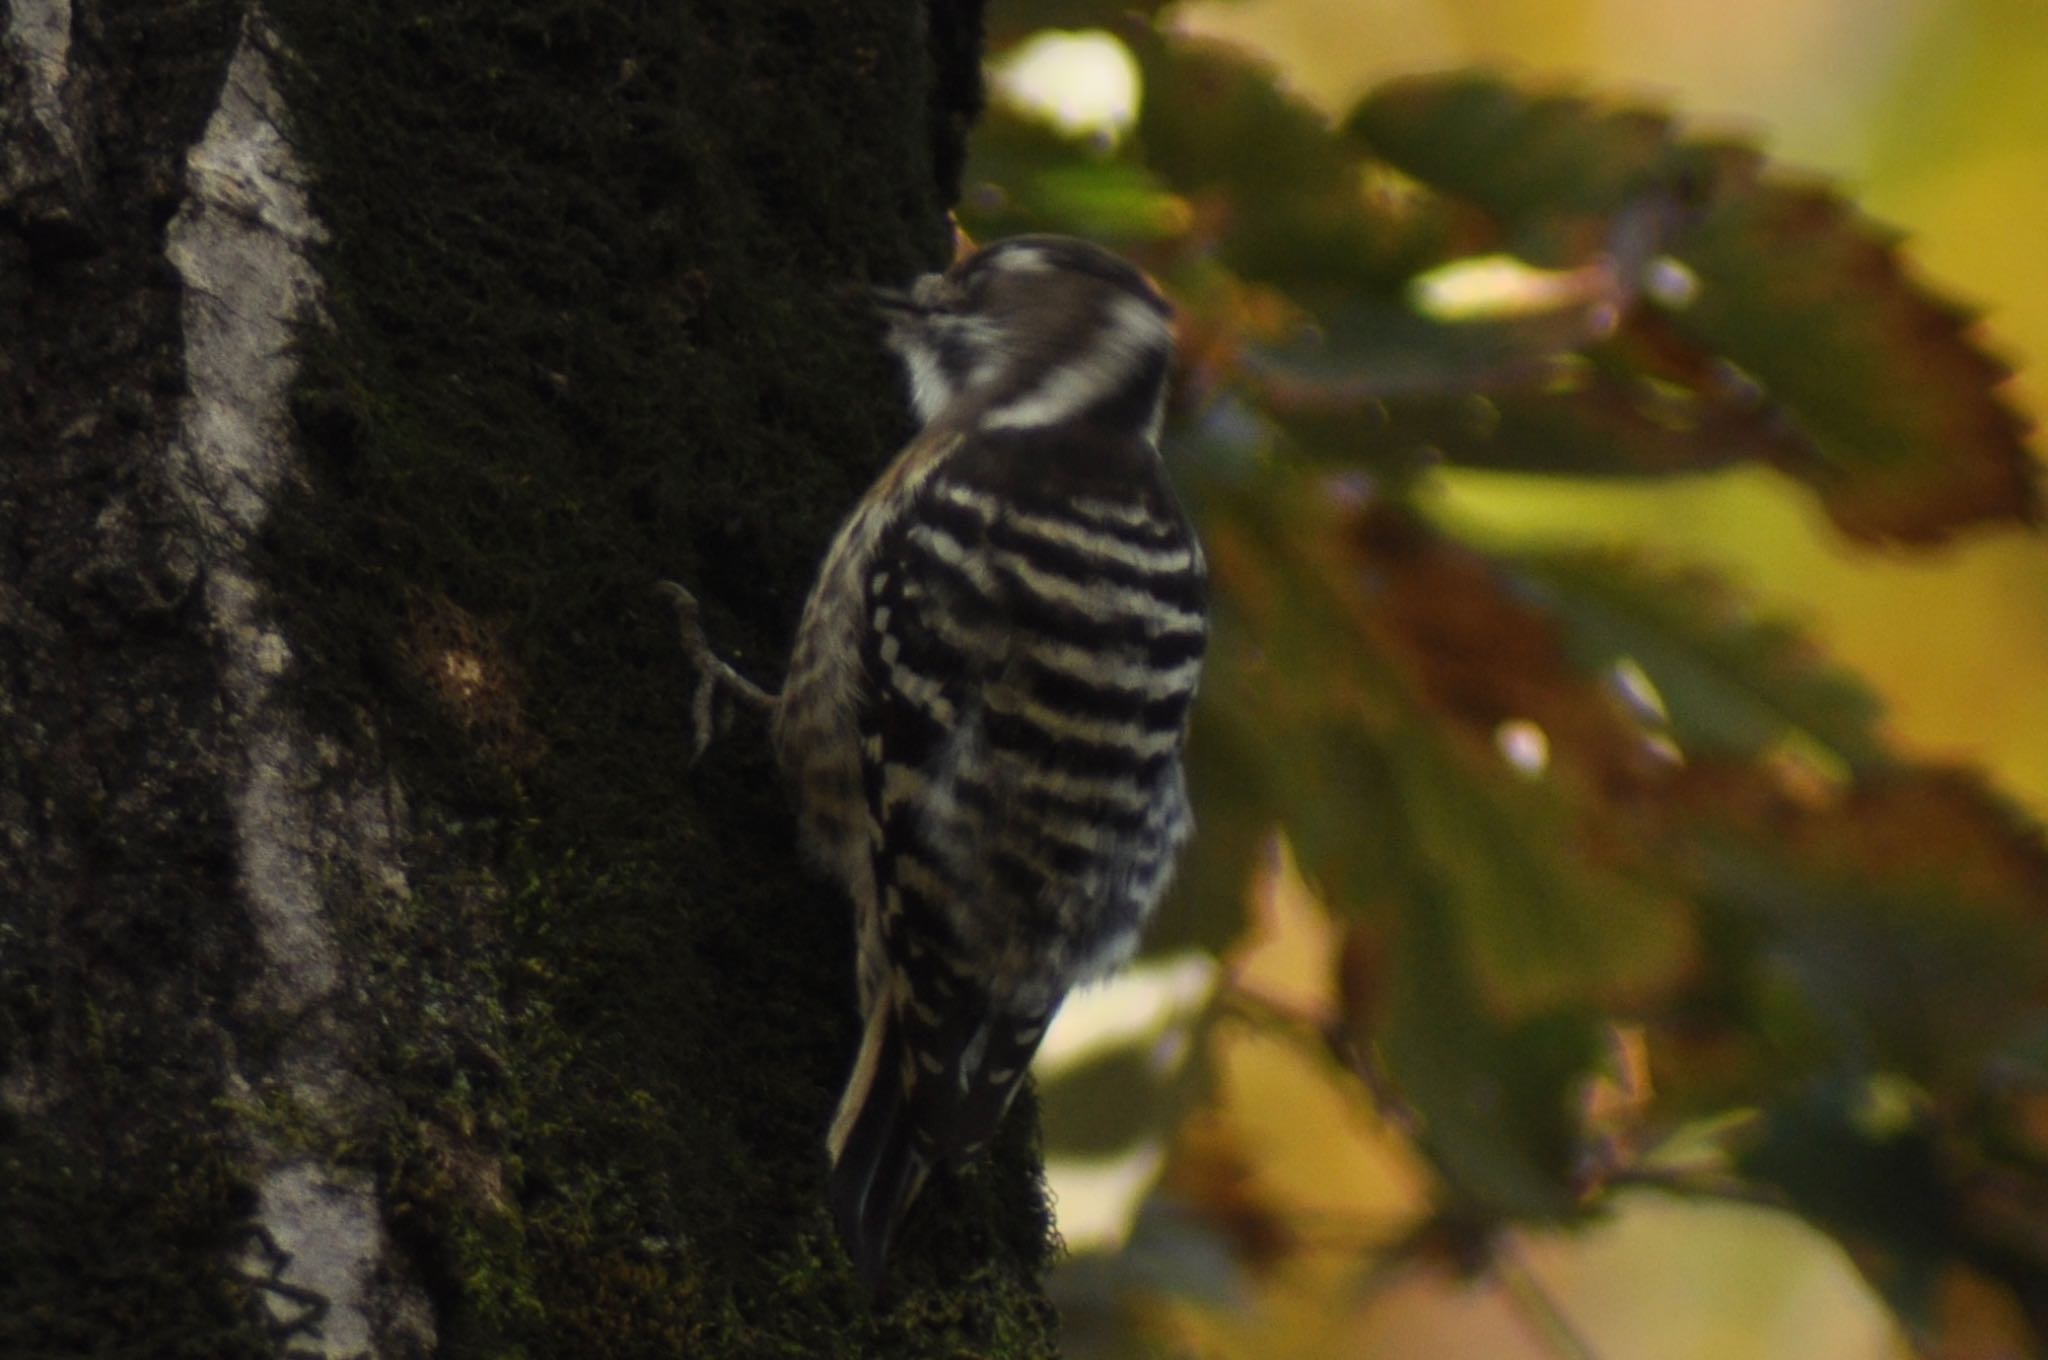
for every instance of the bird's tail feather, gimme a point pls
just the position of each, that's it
(898, 1118)
(876, 1168)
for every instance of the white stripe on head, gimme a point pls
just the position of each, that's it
(1135, 333)
(1023, 260)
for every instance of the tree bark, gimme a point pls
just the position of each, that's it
(375, 979)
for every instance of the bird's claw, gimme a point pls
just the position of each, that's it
(714, 673)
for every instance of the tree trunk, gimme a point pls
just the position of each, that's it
(375, 978)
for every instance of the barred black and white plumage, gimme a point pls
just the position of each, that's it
(988, 699)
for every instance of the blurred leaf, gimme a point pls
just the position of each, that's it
(1215, 117)
(1023, 177)
(1795, 918)
(1550, 168)
(1107, 199)
(1389, 632)
(1915, 1200)
(1892, 925)
(1883, 975)
(1286, 201)
(1375, 661)
(1923, 827)
(1612, 410)
(1539, 926)
(1536, 392)
(1821, 1149)
(1473, 646)
(1373, 351)
(1336, 809)
(1495, 1102)
(1290, 691)
(1933, 828)
(1181, 1254)
(1900, 421)
(1911, 436)
(1731, 684)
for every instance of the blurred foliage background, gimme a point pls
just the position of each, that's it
(1616, 924)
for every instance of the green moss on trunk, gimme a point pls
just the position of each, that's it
(595, 282)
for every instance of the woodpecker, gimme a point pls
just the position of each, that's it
(987, 701)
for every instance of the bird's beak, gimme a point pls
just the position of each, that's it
(890, 300)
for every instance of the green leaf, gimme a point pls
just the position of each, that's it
(1883, 1191)
(1495, 1100)
(1384, 384)
(1549, 168)
(1731, 684)
(1216, 118)
(1890, 409)
(1539, 923)
(1369, 351)
(1875, 966)
(1355, 676)
(1024, 177)
(1290, 698)
(1610, 413)
(1219, 128)
(1911, 437)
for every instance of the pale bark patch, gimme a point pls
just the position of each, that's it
(42, 30)
(303, 820)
